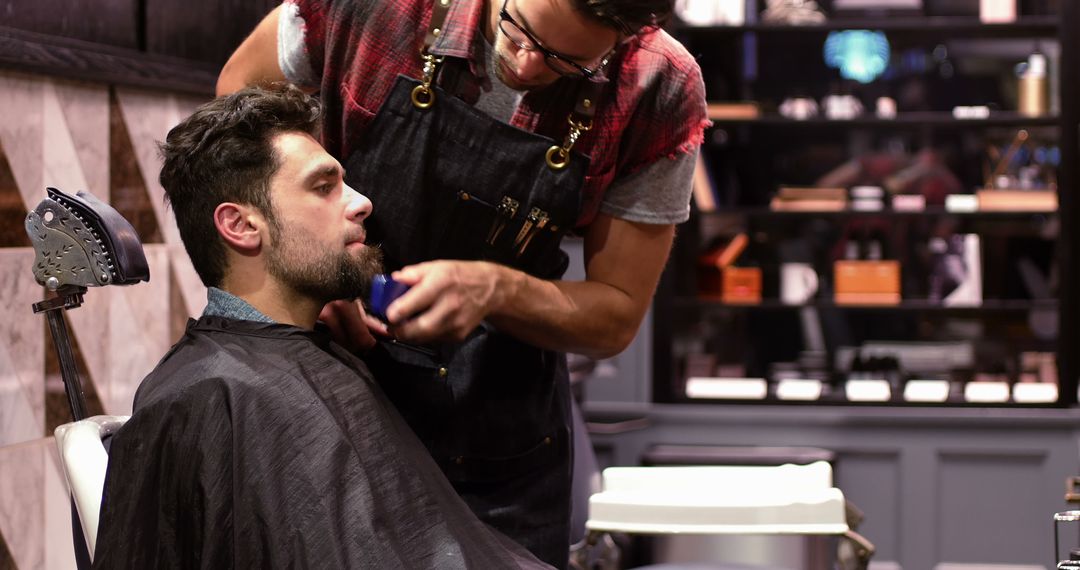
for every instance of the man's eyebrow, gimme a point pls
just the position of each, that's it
(528, 28)
(323, 171)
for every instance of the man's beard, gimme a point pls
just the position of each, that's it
(498, 60)
(321, 275)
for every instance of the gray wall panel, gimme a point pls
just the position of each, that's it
(871, 481)
(988, 504)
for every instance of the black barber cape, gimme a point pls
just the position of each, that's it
(259, 445)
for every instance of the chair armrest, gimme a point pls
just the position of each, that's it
(84, 461)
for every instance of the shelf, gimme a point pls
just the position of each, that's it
(836, 399)
(1034, 26)
(764, 212)
(914, 305)
(804, 415)
(942, 120)
(753, 67)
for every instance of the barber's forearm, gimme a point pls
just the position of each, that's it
(584, 317)
(255, 60)
(597, 317)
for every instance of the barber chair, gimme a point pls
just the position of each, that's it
(84, 460)
(719, 500)
(79, 242)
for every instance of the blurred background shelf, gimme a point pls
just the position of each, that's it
(909, 120)
(925, 27)
(919, 305)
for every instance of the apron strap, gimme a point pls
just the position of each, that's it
(423, 96)
(438, 16)
(580, 119)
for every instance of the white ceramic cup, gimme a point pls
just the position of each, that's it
(798, 283)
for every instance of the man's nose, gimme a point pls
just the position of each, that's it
(530, 64)
(359, 205)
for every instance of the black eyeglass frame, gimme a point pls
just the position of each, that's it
(504, 16)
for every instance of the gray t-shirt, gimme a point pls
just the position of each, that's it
(657, 194)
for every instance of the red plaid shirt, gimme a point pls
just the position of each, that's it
(652, 107)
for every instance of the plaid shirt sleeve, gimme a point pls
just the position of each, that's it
(654, 109)
(669, 117)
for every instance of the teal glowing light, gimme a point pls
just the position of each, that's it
(861, 55)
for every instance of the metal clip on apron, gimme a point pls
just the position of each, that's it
(558, 156)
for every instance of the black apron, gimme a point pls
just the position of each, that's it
(449, 182)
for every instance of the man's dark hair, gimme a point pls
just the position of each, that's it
(223, 152)
(628, 16)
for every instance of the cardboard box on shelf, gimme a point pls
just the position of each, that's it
(719, 278)
(867, 282)
(994, 200)
(741, 285)
(809, 199)
(733, 110)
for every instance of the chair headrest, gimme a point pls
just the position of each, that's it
(80, 240)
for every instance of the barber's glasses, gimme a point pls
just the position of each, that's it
(558, 63)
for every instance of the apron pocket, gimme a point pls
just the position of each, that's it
(410, 379)
(490, 469)
(541, 253)
(507, 233)
(471, 224)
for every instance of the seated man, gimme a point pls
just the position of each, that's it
(257, 442)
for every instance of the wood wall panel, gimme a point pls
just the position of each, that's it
(173, 45)
(110, 22)
(203, 30)
(76, 59)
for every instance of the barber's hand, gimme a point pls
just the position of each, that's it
(446, 301)
(351, 326)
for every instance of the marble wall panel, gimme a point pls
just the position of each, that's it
(12, 208)
(60, 159)
(89, 325)
(190, 287)
(22, 119)
(85, 108)
(6, 561)
(22, 502)
(35, 512)
(128, 192)
(148, 118)
(18, 422)
(59, 548)
(22, 346)
(57, 406)
(139, 333)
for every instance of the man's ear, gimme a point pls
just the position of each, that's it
(240, 226)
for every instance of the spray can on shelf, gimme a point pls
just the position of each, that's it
(1032, 91)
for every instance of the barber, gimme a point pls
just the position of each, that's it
(486, 130)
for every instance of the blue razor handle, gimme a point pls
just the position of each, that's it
(383, 292)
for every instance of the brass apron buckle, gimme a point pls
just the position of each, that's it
(558, 157)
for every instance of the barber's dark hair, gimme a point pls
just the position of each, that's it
(628, 16)
(223, 152)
